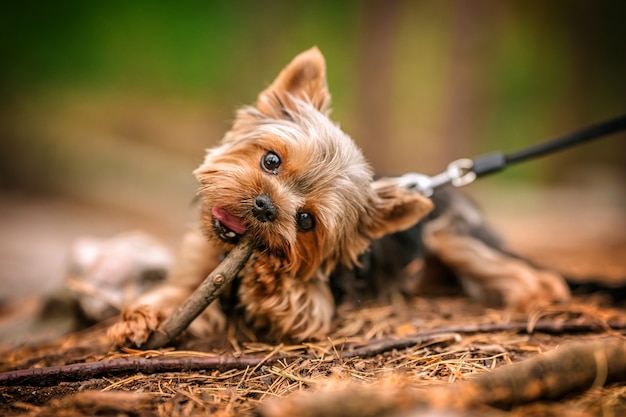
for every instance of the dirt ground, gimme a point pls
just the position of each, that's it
(401, 350)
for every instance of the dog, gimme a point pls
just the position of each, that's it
(324, 231)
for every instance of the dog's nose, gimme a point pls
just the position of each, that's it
(263, 209)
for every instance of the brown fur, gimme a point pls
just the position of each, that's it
(490, 275)
(284, 288)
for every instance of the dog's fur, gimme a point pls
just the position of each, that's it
(286, 175)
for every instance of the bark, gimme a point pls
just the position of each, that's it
(200, 299)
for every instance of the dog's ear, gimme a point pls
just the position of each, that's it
(394, 209)
(304, 78)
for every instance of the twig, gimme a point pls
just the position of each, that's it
(446, 334)
(81, 371)
(200, 299)
(377, 346)
(541, 326)
(52, 375)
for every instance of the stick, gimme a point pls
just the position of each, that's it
(542, 326)
(51, 375)
(82, 371)
(573, 367)
(200, 299)
(570, 368)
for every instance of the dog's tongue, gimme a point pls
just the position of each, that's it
(233, 223)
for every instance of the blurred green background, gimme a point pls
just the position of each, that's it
(107, 107)
(94, 92)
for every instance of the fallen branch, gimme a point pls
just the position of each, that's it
(377, 346)
(541, 326)
(570, 368)
(200, 299)
(442, 335)
(52, 375)
(76, 372)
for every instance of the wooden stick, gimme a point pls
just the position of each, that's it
(80, 371)
(444, 335)
(52, 375)
(570, 368)
(200, 299)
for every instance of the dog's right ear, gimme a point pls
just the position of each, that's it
(304, 78)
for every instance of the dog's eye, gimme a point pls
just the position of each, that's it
(270, 162)
(305, 221)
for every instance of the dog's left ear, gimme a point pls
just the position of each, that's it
(394, 209)
(304, 78)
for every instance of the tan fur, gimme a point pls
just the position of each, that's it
(491, 276)
(196, 259)
(284, 287)
(284, 304)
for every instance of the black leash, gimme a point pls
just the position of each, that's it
(464, 171)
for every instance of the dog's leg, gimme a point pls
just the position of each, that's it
(197, 258)
(487, 273)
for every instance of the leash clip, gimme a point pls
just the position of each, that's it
(459, 173)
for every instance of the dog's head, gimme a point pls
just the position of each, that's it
(289, 177)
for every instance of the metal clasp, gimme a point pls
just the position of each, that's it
(459, 173)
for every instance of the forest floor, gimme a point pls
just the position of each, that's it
(379, 357)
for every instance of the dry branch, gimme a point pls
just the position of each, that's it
(442, 335)
(81, 371)
(200, 299)
(52, 375)
(548, 326)
(570, 368)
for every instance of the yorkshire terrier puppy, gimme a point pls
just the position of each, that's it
(323, 229)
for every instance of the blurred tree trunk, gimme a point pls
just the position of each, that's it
(587, 27)
(374, 79)
(464, 112)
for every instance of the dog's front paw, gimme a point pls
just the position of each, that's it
(135, 327)
(551, 289)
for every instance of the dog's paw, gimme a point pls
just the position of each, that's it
(135, 327)
(527, 288)
(551, 288)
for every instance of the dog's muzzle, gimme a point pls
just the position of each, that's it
(263, 209)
